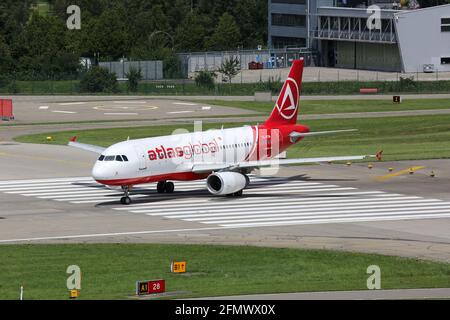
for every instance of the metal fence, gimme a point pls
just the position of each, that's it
(150, 70)
(270, 58)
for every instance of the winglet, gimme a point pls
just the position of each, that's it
(379, 155)
(73, 139)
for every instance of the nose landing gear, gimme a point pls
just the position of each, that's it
(125, 199)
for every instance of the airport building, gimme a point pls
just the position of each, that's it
(343, 34)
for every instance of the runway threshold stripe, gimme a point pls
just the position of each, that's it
(59, 190)
(174, 206)
(208, 199)
(294, 212)
(299, 204)
(75, 179)
(286, 215)
(341, 220)
(51, 187)
(314, 207)
(329, 214)
(67, 193)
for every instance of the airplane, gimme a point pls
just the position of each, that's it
(224, 157)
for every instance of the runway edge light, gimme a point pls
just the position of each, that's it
(73, 294)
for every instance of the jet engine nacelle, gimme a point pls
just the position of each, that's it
(222, 183)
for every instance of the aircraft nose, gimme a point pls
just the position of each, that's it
(99, 172)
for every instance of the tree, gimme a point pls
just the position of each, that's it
(226, 36)
(40, 47)
(191, 33)
(109, 36)
(98, 79)
(251, 17)
(5, 57)
(134, 76)
(230, 68)
(205, 79)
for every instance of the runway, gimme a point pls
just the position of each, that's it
(329, 206)
(268, 202)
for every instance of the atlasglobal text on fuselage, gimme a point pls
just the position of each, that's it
(223, 157)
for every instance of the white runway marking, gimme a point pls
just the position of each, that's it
(131, 101)
(175, 112)
(121, 114)
(185, 103)
(71, 103)
(60, 111)
(206, 108)
(43, 107)
(266, 202)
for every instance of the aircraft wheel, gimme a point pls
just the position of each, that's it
(160, 187)
(125, 200)
(169, 187)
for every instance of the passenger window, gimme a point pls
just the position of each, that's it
(101, 158)
(124, 158)
(119, 158)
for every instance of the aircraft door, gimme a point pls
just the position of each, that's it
(142, 158)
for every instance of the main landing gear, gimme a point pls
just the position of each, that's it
(236, 194)
(125, 199)
(164, 186)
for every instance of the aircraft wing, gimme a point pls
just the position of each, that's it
(208, 167)
(88, 147)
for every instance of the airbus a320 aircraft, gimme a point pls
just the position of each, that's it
(223, 157)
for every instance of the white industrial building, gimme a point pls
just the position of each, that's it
(408, 40)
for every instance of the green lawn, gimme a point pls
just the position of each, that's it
(340, 106)
(401, 138)
(109, 271)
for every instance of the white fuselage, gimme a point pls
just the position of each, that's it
(173, 155)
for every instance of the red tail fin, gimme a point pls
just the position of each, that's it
(286, 107)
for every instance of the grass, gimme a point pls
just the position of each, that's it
(340, 106)
(109, 271)
(401, 138)
(169, 87)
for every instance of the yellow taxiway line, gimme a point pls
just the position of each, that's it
(396, 174)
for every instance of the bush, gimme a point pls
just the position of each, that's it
(273, 84)
(205, 79)
(98, 79)
(134, 76)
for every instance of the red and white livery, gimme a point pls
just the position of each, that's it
(223, 157)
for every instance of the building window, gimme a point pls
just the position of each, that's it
(290, 1)
(445, 60)
(288, 20)
(445, 24)
(282, 42)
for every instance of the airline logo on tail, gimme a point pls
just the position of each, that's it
(287, 102)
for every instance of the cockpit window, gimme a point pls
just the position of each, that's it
(124, 158)
(101, 158)
(119, 158)
(110, 158)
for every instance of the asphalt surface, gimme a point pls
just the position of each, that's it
(440, 293)
(52, 211)
(54, 109)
